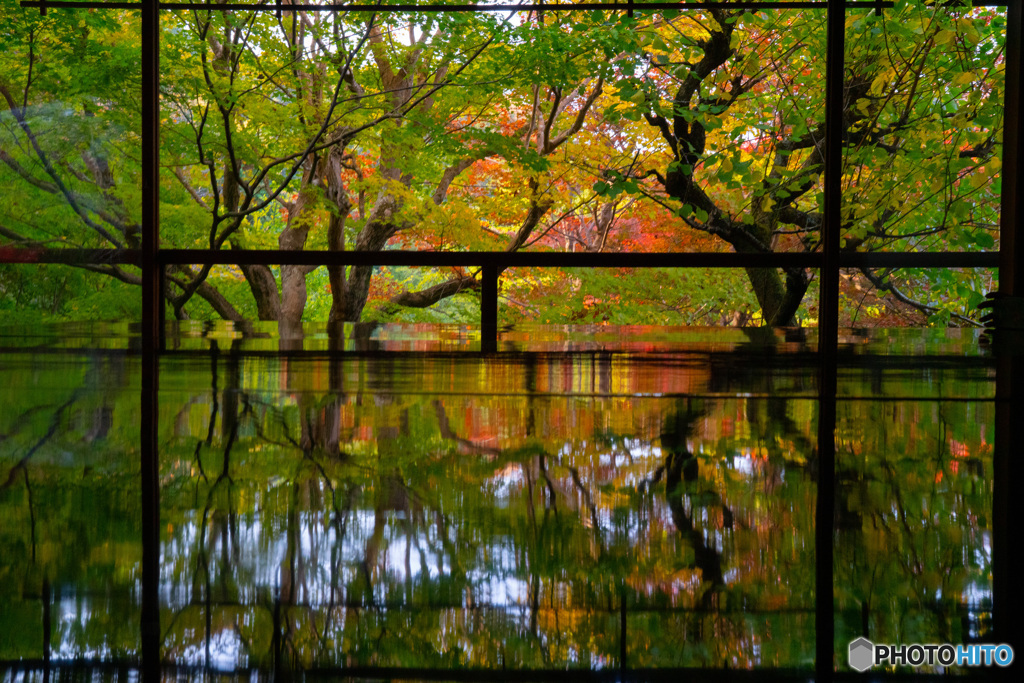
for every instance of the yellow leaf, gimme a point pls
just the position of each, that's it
(878, 85)
(963, 78)
(752, 65)
(969, 30)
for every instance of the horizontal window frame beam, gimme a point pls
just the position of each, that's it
(501, 259)
(434, 7)
(44, 5)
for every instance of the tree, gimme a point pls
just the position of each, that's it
(736, 99)
(579, 131)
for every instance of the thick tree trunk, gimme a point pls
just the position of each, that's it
(264, 291)
(338, 196)
(293, 277)
(431, 295)
(220, 304)
(293, 301)
(357, 292)
(336, 274)
(779, 299)
(379, 228)
(259, 278)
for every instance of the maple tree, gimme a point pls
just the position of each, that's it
(577, 131)
(735, 98)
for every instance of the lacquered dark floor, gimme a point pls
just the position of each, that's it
(588, 500)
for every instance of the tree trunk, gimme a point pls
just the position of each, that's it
(259, 278)
(338, 196)
(264, 290)
(293, 277)
(379, 228)
(336, 274)
(770, 292)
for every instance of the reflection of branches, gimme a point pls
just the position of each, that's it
(340, 523)
(916, 566)
(528, 472)
(448, 433)
(534, 613)
(31, 512)
(588, 501)
(214, 407)
(901, 515)
(230, 419)
(681, 467)
(542, 466)
(290, 570)
(706, 558)
(261, 432)
(54, 424)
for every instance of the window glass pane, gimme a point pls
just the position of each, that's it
(701, 297)
(924, 110)
(33, 293)
(461, 132)
(317, 295)
(69, 129)
(913, 297)
(588, 131)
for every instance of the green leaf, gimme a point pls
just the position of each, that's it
(984, 239)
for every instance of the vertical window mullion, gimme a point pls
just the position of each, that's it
(151, 325)
(828, 331)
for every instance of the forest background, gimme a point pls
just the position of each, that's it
(696, 131)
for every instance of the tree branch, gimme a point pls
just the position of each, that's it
(430, 296)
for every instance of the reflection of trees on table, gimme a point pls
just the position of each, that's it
(486, 511)
(483, 515)
(69, 532)
(913, 551)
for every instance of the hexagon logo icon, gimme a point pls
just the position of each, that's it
(862, 654)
